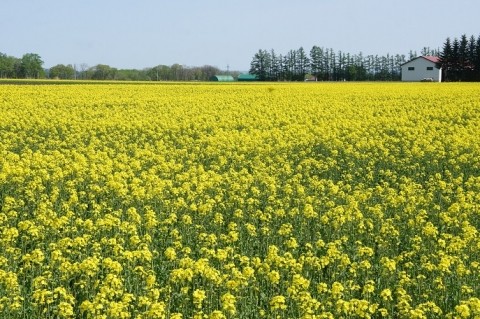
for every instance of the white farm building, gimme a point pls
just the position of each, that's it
(423, 68)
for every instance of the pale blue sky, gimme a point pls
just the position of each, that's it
(145, 33)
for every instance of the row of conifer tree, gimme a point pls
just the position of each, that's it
(459, 59)
(325, 64)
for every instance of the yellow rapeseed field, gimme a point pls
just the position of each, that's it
(312, 200)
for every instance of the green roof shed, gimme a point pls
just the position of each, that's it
(247, 77)
(222, 78)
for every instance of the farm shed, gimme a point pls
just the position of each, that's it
(247, 77)
(222, 78)
(422, 68)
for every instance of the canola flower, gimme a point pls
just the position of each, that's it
(352, 200)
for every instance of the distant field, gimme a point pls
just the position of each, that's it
(307, 200)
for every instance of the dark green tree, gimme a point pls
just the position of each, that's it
(274, 72)
(302, 64)
(289, 65)
(476, 62)
(360, 69)
(455, 61)
(159, 73)
(463, 57)
(470, 60)
(61, 71)
(103, 72)
(316, 62)
(472, 44)
(31, 66)
(446, 60)
(8, 66)
(260, 65)
(281, 67)
(460, 59)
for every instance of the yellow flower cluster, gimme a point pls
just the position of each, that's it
(352, 200)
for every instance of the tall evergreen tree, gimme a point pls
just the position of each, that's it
(289, 65)
(302, 64)
(360, 69)
(460, 59)
(274, 67)
(477, 60)
(463, 57)
(281, 61)
(316, 61)
(260, 65)
(445, 61)
(455, 60)
(470, 60)
(332, 65)
(327, 65)
(341, 66)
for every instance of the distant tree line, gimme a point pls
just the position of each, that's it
(175, 72)
(30, 66)
(460, 59)
(324, 64)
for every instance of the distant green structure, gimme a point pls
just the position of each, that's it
(247, 77)
(222, 78)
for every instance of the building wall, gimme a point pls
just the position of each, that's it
(420, 71)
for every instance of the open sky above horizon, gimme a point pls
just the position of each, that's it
(145, 33)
